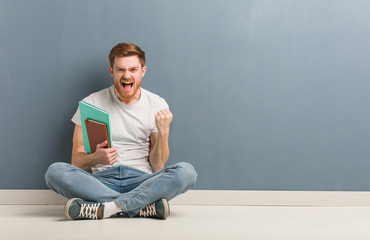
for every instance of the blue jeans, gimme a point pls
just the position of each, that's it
(129, 188)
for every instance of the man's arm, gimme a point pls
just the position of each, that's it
(159, 150)
(85, 161)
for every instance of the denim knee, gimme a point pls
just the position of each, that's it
(187, 174)
(54, 171)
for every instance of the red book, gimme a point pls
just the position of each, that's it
(97, 133)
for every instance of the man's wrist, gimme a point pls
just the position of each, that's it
(163, 133)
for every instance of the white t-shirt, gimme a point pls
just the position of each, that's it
(131, 126)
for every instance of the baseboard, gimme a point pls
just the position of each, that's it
(214, 197)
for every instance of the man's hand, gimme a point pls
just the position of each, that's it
(106, 156)
(163, 120)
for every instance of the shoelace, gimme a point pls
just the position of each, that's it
(148, 211)
(89, 210)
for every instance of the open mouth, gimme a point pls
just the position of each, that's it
(127, 85)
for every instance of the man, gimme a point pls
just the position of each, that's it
(129, 177)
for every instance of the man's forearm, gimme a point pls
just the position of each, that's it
(102, 155)
(83, 160)
(160, 152)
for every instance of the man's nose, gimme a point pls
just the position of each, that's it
(126, 75)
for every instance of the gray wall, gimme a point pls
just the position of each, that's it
(269, 95)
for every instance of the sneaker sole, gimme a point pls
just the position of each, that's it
(166, 208)
(66, 208)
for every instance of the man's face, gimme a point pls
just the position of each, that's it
(127, 74)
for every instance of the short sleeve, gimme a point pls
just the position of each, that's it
(77, 117)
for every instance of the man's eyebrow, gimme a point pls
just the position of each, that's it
(129, 68)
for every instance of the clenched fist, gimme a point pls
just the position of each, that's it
(163, 120)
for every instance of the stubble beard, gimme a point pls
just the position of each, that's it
(123, 95)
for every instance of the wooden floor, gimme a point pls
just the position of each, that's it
(192, 222)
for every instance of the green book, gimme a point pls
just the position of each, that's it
(89, 111)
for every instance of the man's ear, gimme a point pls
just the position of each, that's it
(111, 71)
(143, 71)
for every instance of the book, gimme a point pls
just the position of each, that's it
(97, 132)
(93, 113)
